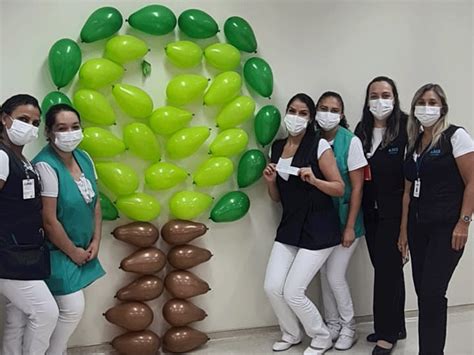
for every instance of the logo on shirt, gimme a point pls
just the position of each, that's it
(435, 152)
(393, 151)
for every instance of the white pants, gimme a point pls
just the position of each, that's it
(24, 333)
(289, 272)
(338, 307)
(31, 314)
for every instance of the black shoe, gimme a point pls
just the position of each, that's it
(378, 350)
(372, 338)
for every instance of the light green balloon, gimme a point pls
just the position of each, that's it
(184, 54)
(230, 142)
(167, 120)
(188, 205)
(94, 107)
(139, 206)
(132, 100)
(222, 56)
(185, 88)
(119, 178)
(236, 112)
(162, 176)
(186, 142)
(125, 48)
(141, 141)
(225, 87)
(99, 72)
(214, 171)
(100, 143)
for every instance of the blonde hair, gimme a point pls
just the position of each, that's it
(414, 126)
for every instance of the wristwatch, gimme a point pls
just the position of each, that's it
(466, 219)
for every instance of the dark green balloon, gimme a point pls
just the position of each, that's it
(251, 167)
(109, 211)
(64, 60)
(259, 76)
(239, 33)
(231, 207)
(267, 123)
(102, 23)
(197, 24)
(54, 98)
(153, 19)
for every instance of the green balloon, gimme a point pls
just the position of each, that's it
(162, 176)
(109, 211)
(64, 60)
(188, 205)
(102, 23)
(186, 141)
(197, 24)
(141, 141)
(153, 19)
(267, 123)
(119, 178)
(258, 75)
(100, 143)
(139, 206)
(239, 33)
(54, 98)
(251, 167)
(231, 207)
(214, 171)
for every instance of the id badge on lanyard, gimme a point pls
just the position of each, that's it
(28, 189)
(417, 187)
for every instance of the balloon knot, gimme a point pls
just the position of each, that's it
(126, 20)
(255, 52)
(193, 114)
(149, 49)
(103, 314)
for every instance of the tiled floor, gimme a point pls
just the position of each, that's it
(460, 340)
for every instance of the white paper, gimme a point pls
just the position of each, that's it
(288, 170)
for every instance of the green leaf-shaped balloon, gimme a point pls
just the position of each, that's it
(231, 207)
(197, 24)
(267, 123)
(54, 98)
(64, 60)
(251, 167)
(102, 23)
(239, 33)
(153, 19)
(259, 76)
(109, 211)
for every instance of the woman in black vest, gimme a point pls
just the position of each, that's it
(303, 176)
(382, 131)
(31, 311)
(437, 209)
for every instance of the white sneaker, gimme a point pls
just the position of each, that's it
(282, 345)
(312, 350)
(346, 339)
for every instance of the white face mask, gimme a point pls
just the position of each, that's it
(327, 120)
(21, 133)
(427, 115)
(68, 141)
(381, 108)
(295, 124)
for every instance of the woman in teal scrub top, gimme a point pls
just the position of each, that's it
(71, 218)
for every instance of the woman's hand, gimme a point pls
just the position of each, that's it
(270, 173)
(306, 174)
(348, 237)
(93, 249)
(460, 233)
(79, 256)
(403, 244)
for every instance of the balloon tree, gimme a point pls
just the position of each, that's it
(215, 78)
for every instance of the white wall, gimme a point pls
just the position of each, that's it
(312, 46)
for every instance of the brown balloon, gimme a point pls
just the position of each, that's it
(144, 261)
(133, 316)
(179, 232)
(184, 284)
(187, 256)
(144, 343)
(145, 288)
(140, 234)
(181, 312)
(183, 339)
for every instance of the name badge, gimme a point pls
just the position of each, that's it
(416, 190)
(28, 189)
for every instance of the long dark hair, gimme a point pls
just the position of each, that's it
(50, 117)
(15, 101)
(343, 122)
(396, 122)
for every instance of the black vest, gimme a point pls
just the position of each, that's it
(385, 190)
(309, 218)
(22, 245)
(442, 187)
